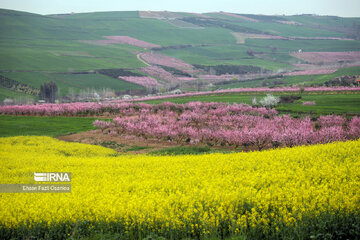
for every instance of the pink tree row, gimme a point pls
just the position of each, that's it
(131, 41)
(121, 40)
(219, 77)
(129, 109)
(311, 72)
(160, 73)
(232, 126)
(163, 60)
(147, 82)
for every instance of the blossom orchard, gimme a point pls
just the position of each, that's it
(235, 125)
(119, 107)
(160, 73)
(163, 60)
(147, 82)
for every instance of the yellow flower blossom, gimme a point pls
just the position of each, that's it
(184, 192)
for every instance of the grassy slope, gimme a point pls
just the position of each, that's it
(223, 54)
(93, 81)
(43, 126)
(325, 21)
(56, 55)
(75, 82)
(326, 104)
(296, 80)
(269, 24)
(6, 93)
(286, 46)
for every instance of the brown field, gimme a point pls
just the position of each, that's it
(241, 37)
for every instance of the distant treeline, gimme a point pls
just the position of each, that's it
(231, 69)
(276, 77)
(172, 47)
(115, 73)
(264, 18)
(175, 71)
(16, 86)
(219, 23)
(346, 81)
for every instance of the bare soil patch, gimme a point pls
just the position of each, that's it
(137, 145)
(119, 143)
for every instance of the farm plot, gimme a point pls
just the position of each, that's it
(147, 82)
(302, 191)
(311, 72)
(241, 37)
(122, 40)
(217, 124)
(43, 126)
(163, 60)
(160, 73)
(328, 57)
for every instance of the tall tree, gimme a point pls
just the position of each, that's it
(48, 92)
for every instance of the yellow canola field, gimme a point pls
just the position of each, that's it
(196, 193)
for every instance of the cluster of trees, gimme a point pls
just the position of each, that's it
(346, 81)
(231, 69)
(16, 86)
(208, 22)
(175, 71)
(172, 47)
(48, 92)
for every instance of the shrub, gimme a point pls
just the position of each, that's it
(269, 101)
(289, 98)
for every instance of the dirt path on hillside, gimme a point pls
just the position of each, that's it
(142, 60)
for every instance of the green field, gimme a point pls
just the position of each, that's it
(305, 80)
(286, 46)
(43, 126)
(224, 55)
(64, 55)
(6, 93)
(291, 31)
(326, 103)
(71, 83)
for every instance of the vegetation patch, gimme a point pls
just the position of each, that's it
(16, 86)
(231, 69)
(182, 150)
(135, 148)
(209, 22)
(115, 73)
(43, 126)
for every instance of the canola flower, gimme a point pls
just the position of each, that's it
(195, 194)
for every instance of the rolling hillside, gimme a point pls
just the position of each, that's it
(146, 52)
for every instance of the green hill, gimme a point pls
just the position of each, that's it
(35, 49)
